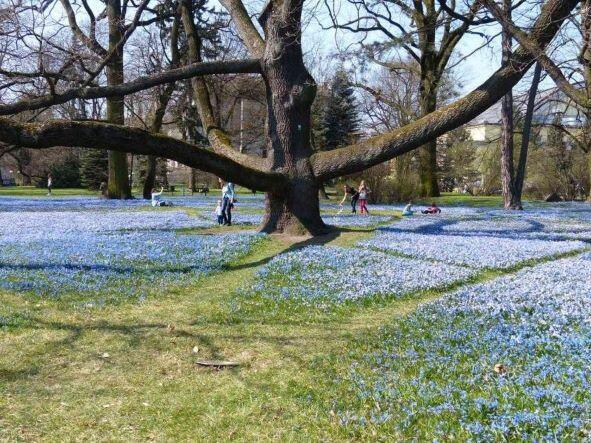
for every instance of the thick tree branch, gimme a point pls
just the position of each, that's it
(99, 135)
(245, 27)
(139, 84)
(549, 66)
(90, 42)
(378, 149)
(218, 139)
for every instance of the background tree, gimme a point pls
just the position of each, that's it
(292, 172)
(427, 33)
(568, 63)
(340, 120)
(93, 168)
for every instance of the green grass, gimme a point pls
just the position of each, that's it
(451, 199)
(31, 191)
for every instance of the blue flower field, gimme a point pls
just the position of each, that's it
(474, 325)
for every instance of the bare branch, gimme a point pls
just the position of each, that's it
(99, 135)
(549, 66)
(245, 27)
(196, 69)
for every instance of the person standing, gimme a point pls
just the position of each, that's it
(350, 190)
(228, 199)
(219, 213)
(49, 183)
(363, 195)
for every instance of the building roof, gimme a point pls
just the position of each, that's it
(550, 104)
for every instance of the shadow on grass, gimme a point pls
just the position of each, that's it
(319, 240)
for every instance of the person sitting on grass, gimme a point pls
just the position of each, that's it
(156, 200)
(407, 211)
(433, 209)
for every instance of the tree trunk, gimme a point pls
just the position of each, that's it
(527, 122)
(428, 152)
(510, 198)
(150, 178)
(118, 187)
(193, 180)
(586, 61)
(290, 91)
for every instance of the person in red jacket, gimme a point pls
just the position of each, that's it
(433, 209)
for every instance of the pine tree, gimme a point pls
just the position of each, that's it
(93, 168)
(340, 120)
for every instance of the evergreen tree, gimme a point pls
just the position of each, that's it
(340, 120)
(66, 173)
(93, 168)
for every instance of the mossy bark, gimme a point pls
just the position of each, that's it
(290, 91)
(118, 186)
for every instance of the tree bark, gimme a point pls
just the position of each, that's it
(428, 103)
(150, 179)
(118, 185)
(527, 123)
(510, 199)
(290, 91)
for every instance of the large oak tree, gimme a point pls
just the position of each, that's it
(292, 173)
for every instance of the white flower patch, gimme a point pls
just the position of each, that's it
(473, 251)
(324, 273)
(508, 359)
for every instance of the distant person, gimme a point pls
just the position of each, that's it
(433, 209)
(157, 200)
(350, 190)
(364, 192)
(219, 213)
(49, 183)
(228, 200)
(103, 189)
(407, 211)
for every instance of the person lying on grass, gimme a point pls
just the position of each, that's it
(433, 209)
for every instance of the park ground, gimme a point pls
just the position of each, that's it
(126, 369)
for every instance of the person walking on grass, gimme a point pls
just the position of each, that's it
(350, 190)
(228, 199)
(363, 196)
(49, 183)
